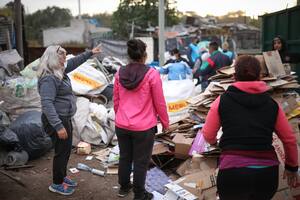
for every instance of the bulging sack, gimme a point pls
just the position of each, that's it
(176, 93)
(87, 80)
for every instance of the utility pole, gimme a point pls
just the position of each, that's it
(79, 9)
(132, 30)
(18, 23)
(161, 37)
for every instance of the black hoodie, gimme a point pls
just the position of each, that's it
(286, 57)
(248, 120)
(132, 75)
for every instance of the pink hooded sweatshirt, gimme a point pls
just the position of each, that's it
(282, 127)
(137, 109)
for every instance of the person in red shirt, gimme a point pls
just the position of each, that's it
(248, 116)
(138, 102)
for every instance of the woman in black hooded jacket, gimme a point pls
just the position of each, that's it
(278, 43)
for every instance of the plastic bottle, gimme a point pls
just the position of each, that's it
(98, 172)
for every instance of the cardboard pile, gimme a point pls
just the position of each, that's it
(198, 174)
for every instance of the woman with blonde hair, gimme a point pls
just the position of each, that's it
(58, 106)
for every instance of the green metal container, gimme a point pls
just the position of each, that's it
(285, 23)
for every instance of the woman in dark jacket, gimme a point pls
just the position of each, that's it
(278, 43)
(248, 116)
(58, 106)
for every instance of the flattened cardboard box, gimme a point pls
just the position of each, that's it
(274, 63)
(198, 182)
(283, 195)
(182, 146)
(178, 193)
(195, 164)
(264, 70)
(294, 122)
(281, 156)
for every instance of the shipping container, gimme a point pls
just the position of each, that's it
(285, 23)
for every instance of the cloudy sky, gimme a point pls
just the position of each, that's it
(202, 7)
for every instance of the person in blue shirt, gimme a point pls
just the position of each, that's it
(193, 51)
(230, 54)
(176, 71)
(176, 57)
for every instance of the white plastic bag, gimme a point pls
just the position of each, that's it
(19, 95)
(176, 93)
(87, 80)
(90, 123)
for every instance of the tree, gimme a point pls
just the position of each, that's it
(50, 17)
(143, 13)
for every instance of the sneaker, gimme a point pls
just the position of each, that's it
(61, 189)
(124, 191)
(147, 196)
(69, 182)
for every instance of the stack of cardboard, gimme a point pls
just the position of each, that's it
(199, 172)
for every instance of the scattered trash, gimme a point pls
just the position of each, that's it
(89, 169)
(156, 180)
(89, 158)
(83, 148)
(102, 155)
(74, 170)
(177, 192)
(112, 170)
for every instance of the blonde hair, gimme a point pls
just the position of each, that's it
(49, 62)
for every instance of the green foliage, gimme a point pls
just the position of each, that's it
(143, 13)
(43, 19)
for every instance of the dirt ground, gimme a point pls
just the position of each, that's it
(38, 178)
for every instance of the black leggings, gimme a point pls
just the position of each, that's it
(135, 148)
(247, 183)
(62, 148)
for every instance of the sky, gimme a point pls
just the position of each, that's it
(201, 7)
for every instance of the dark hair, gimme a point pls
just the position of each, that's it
(247, 68)
(136, 49)
(175, 51)
(283, 45)
(214, 45)
(195, 39)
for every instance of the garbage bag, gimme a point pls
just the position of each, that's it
(4, 120)
(16, 158)
(176, 93)
(9, 140)
(31, 69)
(3, 155)
(90, 123)
(86, 79)
(31, 134)
(19, 95)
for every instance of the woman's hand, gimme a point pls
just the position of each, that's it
(96, 50)
(165, 130)
(62, 134)
(292, 178)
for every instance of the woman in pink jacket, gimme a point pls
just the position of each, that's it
(248, 115)
(138, 101)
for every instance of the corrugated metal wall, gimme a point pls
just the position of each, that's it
(285, 23)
